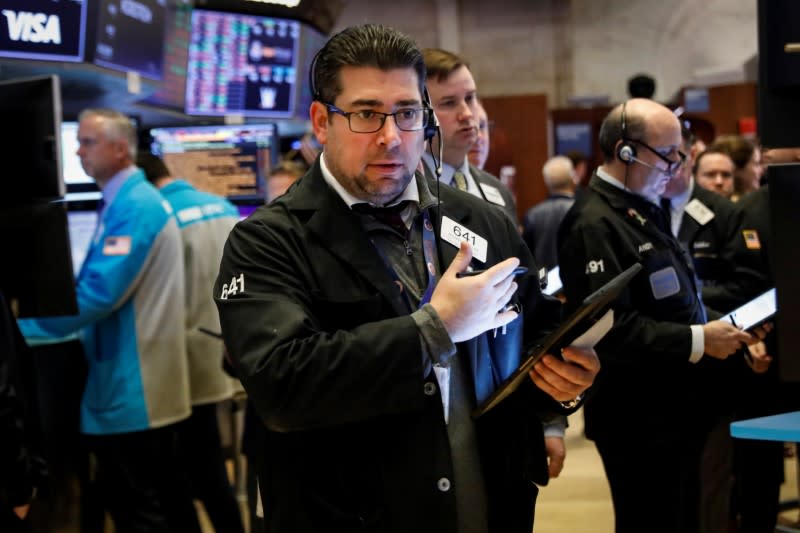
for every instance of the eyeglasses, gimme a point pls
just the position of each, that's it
(672, 166)
(368, 121)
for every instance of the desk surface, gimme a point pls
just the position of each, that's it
(784, 428)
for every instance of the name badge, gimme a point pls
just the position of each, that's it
(698, 211)
(454, 233)
(492, 194)
(664, 283)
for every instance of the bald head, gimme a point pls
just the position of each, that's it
(653, 134)
(559, 175)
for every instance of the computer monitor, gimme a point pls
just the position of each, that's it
(130, 36)
(36, 270)
(242, 64)
(230, 161)
(30, 140)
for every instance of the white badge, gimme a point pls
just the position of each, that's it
(454, 233)
(443, 378)
(698, 211)
(492, 194)
(664, 283)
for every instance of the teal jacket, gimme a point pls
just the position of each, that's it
(130, 293)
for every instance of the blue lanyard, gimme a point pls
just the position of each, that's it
(428, 251)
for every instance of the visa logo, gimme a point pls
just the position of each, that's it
(33, 27)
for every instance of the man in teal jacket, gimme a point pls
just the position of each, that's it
(130, 293)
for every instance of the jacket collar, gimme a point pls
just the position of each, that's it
(328, 217)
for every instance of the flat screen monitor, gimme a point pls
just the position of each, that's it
(230, 161)
(30, 140)
(36, 270)
(241, 64)
(51, 30)
(130, 36)
(171, 92)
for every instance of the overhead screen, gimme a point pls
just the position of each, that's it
(130, 36)
(242, 64)
(230, 161)
(42, 29)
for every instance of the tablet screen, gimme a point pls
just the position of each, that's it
(754, 312)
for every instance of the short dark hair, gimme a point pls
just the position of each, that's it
(611, 131)
(152, 166)
(369, 45)
(708, 151)
(441, 63)
(737, 147)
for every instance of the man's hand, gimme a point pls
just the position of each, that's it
(566, 379)
(556, 453)
(760, 358)
(723, 339)
(22, 511)
(470, 305)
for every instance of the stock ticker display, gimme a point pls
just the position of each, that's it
(230, 161)
(241, 64)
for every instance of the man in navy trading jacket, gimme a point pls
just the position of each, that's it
(362, 351)
(647, 403)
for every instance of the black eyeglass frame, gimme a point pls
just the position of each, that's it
(672, 166)
(426, 113)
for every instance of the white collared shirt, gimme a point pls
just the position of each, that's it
(448, 171)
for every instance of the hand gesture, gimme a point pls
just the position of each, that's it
(470, 305)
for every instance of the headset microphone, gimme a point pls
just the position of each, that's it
(432, 129)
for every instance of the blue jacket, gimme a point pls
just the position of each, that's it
(205, 220)
(131, 316)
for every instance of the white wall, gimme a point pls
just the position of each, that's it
(564, 48)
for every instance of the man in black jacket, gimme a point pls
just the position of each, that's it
(454, 97)
(362, 350)
(21, 465)
(645, 406)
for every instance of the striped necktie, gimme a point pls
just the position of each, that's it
(460, 180)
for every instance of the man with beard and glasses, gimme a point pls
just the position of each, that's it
(362, 350)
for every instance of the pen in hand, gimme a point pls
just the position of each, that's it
(516, 272)
(747, 354)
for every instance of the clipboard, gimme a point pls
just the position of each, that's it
(592, 308)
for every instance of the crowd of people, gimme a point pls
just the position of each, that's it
(364, 349)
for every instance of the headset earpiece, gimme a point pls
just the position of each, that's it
(626, 151)
(432, 124)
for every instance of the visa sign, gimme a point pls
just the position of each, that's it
(33, 27)
(43, 29)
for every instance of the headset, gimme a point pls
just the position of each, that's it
(626, 151)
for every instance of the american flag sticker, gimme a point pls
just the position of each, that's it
(751, 239)
(117, 245)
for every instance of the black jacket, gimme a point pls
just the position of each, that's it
(332, 362)
(645, 381)
(21, 463)
(713, 249)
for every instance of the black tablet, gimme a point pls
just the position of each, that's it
(755, 312)
(592, 308)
